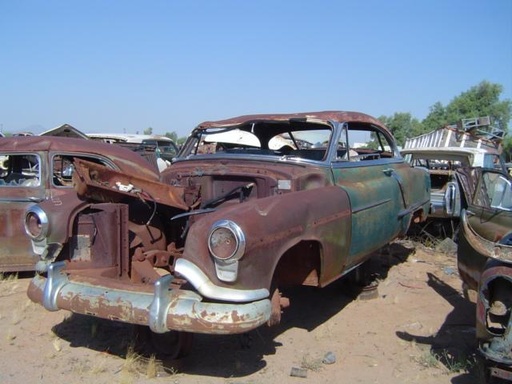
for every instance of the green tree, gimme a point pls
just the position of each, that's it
(148, 131)
(507, 148)
(403, 126)
(436, 118)
(480, 100)
(172, 135)
(181, 140)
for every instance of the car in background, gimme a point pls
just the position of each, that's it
(38, 168)
(441, 164)
(471, 143)
(165, 147)
(484, 259)
(162, 147)
(251, 205)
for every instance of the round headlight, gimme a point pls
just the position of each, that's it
(226, 241)
(36, 223)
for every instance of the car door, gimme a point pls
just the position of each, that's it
(486, 220)
(23, 182)
(489, 202)
(372, 180)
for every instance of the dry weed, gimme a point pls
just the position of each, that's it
(311, 364)
(8, 284)
(129, 369)
(152, 368)
(99, 368)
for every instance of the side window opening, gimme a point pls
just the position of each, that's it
(63, 168)
(495, 191)
(358, 143)
(20, 170)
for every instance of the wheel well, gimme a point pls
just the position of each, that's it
(497, 296)
(300, 265)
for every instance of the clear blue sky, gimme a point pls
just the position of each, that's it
(123, 66)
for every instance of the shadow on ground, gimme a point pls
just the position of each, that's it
(454, 344)
(235, 355)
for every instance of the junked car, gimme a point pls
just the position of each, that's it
(484, 258)
(473, 142)
(251, 205)
(34, 169)
(162, 148)
(442, 164)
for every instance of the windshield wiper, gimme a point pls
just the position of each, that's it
(242, 192)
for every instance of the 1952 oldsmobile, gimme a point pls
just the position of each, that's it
(251, 204)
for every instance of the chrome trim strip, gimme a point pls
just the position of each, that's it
(205, 287)
(370, 206)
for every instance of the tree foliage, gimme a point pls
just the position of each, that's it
(480, 100)
(172, 135)
(507, 148)
(402, 125)
(436, 118)
(148, 131)
(181, 140)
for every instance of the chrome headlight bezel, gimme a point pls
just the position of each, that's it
(222, 233)
(36, 217)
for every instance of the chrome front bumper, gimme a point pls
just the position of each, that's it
(162, 310)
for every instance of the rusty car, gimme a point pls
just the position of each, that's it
(163, 148)
(38, 168)
(250, 205)
(484, 259)
(474, 142)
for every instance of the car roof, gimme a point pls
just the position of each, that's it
(124, 158)
(320, 117)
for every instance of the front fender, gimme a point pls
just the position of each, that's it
(61, 212)
(273, 225)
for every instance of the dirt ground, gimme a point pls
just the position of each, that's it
(415, 328)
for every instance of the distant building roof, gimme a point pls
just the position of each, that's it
(65, 130)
